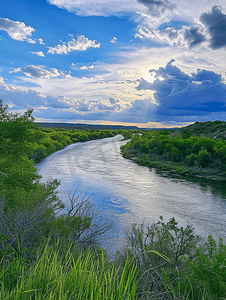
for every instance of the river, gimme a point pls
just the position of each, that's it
(131, 193)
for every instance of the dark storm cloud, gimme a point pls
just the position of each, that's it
(211, 29)
(215, 22)
(207, 77)
(156, 8)
(186, 36)
(193, 36)
(181, 94)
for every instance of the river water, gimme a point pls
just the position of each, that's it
(131, 193)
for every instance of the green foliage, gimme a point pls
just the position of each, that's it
(204, 158)
(128, 134)
(209, 269)
(193, 155)
(56, 276)
(175, 264)
(191, 159)
(52, 140)
(213, 130)
(15, 139)
(165, 238)
(160, 250)
(205, 276)
(66, 227)
(19, 182)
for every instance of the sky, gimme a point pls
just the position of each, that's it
(148, 63)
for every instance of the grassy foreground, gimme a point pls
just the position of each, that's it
(51, 275)
(161, 261)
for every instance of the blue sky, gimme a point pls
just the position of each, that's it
(150, 63)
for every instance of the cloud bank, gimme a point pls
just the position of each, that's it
(179, 96)
(210, 31)
(183, 95)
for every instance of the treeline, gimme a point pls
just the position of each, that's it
(51, 140)
(49, 251)
(181, 154)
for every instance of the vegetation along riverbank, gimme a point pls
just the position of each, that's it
(50, 252)
(196, 150)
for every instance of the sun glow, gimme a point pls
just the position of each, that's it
(151, 76)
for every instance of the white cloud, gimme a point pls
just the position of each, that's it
(87, 67)
(30, 41)
(187, 36)
(39, 53)
(114, 40)
(40, 40)
(209, 30)
(99, 8)
(46, 105)
(17, 70)
(118, 81)
(37, 72)
(81, 44)
(184, 95)
(17, 30)
(135, 8)
(157, 8)
(145, 32)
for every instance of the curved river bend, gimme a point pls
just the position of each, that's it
(132, 193)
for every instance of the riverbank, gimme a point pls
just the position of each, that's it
(194, 156)
(51, 140)
(177, 168)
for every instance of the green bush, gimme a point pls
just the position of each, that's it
(204, 158)
(191, 159)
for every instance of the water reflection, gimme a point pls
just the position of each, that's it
(132, 193)
(214, 187)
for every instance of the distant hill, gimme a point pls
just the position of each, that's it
(213, 130)
(88, 126)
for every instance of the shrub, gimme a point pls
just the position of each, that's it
(204, 158)
(159, 250)
(191, 159)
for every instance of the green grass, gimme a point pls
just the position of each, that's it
(53, 276)
(58, 274)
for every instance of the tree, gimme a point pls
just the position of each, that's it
(19, 182)
(30, 210)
